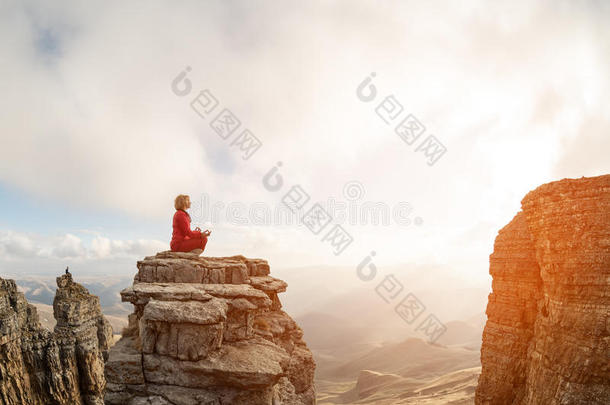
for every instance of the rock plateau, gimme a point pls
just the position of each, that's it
(208, 330)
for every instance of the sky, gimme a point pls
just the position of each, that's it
(96, 140)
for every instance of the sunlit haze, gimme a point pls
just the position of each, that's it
(96, 145)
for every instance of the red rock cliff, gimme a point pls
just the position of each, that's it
(547, 337)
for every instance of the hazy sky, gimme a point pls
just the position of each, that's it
(95, 144)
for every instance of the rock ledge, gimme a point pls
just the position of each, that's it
(208, 330)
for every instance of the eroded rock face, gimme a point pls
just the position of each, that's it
(208, 330)
(547, 337)
(61, 367)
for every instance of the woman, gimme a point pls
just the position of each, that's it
(183, 238)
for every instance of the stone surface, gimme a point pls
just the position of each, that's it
(178, 267)
(244, 364)
(208, 330)
(547, 337)
(125, 365)
(61, 367)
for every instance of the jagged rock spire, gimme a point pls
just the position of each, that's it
(62, 367)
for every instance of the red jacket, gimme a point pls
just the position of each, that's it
(182, 229)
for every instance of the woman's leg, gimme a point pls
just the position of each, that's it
(189, 244)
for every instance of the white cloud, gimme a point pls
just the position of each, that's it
(101, 246)
(104, 247)
(19, 246)
(90, 121)
(14, 244)
(69, 246)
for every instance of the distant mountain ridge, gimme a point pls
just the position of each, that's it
(42, 290)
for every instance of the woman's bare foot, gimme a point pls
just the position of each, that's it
(196, 251)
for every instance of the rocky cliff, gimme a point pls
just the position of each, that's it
(547, 337)
(208, 330)
(61, 367)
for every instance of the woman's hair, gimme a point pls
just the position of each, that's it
(180, 202)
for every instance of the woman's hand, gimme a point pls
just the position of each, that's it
(198, 229)
(206, 232)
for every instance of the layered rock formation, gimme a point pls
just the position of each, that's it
(547, 337)
(61, 367)
(208, 330)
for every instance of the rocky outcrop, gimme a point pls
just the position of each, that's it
(61, 367)
(547, 337)
(208, 330)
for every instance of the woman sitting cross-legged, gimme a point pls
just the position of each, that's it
(183, 238)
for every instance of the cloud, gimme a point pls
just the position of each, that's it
(69, 246)
(90, 120)
(104, 247)
(19, 246)
(14, 244)
(587, 153)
